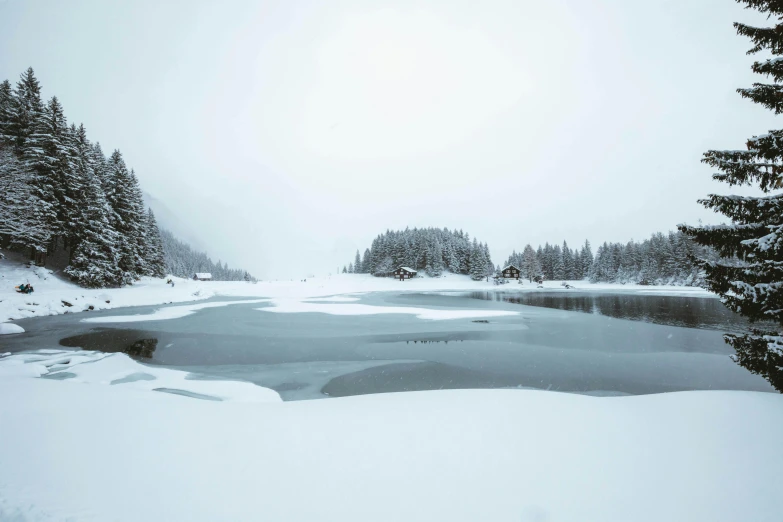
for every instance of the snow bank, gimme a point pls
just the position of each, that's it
(96, 451)
(88, 367)
(171, 312)
(8, 328)
(289, 306)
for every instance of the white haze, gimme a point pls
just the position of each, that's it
(287, 134)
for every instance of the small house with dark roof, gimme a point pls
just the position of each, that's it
(404, 273)
(202, 276)
(511, 272)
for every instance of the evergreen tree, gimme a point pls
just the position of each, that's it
(19, 221)
(749, 274)
(25, 109)
(530, 266)
(558, 269)
(366, 262)
(156, 263)
(41, 145)
(568, 262)
(489, 266)
(357, 264)
(125, 216)
(6, 114)
(93, 260)
(477, 262)
(587, 259)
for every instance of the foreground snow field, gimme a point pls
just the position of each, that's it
(54, 296)
(83, 449)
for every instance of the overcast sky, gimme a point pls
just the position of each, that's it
(287, 134)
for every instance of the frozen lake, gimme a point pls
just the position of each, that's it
(582, 342)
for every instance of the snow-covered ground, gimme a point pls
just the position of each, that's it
(54, 296)
(103, 446)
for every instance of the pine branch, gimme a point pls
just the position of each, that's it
(746, 209)
(768, 95)
(770, 7)
(742, 168)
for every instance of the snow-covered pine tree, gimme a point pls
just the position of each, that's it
(478, 262)
(101, 167)
(531, 268)
(558, 269)
(39, 133)
(366, 262)
(568, 262)
(126, 217)
(587, 259)
(26, 108)
(6, 113)
(749, 275)
(357, 264)
(93, 250)
(156, 264)
(20, 224)
(140, 221)
(489, 266)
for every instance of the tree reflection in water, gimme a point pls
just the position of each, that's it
(690, 312)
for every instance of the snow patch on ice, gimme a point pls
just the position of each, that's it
(119, 370)
(288, 306)
(334, 299)
(171, 312)
(8, 328)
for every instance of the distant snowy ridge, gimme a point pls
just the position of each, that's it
(183, 261)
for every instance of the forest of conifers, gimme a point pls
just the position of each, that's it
(661, 259)
(63, 198)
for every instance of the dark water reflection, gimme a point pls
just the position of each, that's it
(689, 312)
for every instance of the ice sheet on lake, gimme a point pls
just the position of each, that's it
(171, 312)
(288, 306)
(293, 381)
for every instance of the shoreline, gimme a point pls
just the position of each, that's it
(53, 296)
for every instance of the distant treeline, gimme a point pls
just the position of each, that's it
(553, 262)
(61, 197)
(661, 259)
(182, 261)
(432, 250)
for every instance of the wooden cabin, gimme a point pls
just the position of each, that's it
(202, 276)
(404, 273)
(511, 272)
